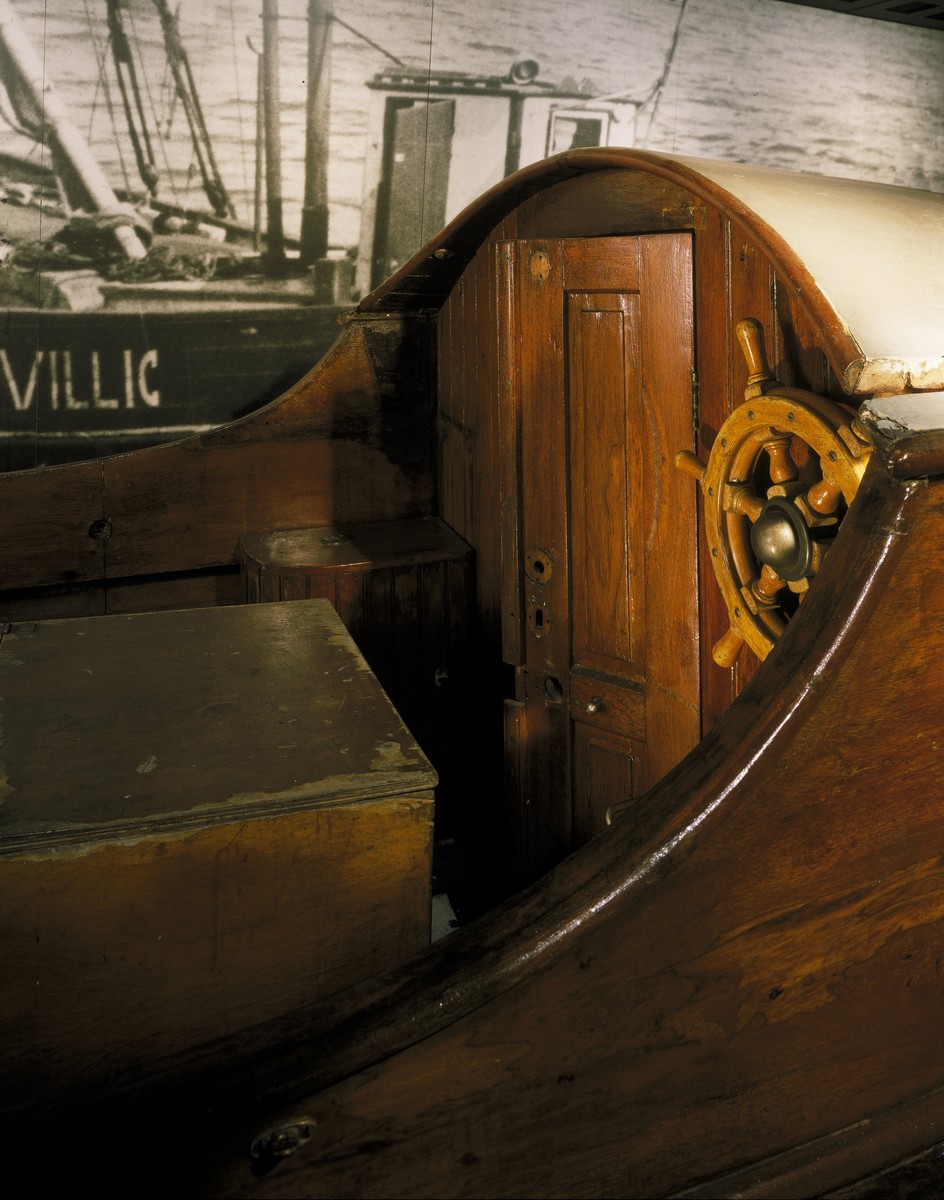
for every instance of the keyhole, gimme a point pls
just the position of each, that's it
(539, 619)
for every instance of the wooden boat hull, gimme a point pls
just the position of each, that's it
(77, 385)
(734, 988)
(734, 993)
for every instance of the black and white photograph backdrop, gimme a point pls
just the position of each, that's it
(194, 192)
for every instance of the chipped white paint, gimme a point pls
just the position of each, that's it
(898, 415)
(149, 764)
(891, 375)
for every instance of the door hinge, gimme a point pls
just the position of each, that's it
(695, 405)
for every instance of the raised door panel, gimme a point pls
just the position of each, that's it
(606, 467)
(608, 772)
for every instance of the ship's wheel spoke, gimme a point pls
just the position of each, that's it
(740, 498)
(768, 585)
(782, 467)
(824, 498)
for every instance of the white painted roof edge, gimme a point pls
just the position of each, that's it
(875, 250)
(897, 416)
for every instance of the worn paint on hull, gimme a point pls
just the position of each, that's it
(78, 385)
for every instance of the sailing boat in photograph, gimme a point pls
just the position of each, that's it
(127, 319)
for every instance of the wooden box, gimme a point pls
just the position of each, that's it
(208, 816)
(405, 589)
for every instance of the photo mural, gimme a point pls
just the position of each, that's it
(194, 192)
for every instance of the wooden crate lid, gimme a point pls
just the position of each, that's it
(131, 726)
(355, 547)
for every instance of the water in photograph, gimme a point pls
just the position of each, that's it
(749, 80)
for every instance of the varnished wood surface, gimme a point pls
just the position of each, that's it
(118, 953)
(599, 593)
(352, 442)
(906, 433)
(118, 724)
(208, 817)
(742, 966)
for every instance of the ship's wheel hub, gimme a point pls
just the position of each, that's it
(780, 539)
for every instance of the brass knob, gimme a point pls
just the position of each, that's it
(596, 704)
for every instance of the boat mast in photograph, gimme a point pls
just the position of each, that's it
(131, 319)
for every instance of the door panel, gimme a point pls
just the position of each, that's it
(607, 771)
(606, 467)
(599, 529)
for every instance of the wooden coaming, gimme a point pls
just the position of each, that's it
(353, 441)
(728, 986)
(725, 987)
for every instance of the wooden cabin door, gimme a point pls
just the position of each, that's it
(411, 203)
(600, 581)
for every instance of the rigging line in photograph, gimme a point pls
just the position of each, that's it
(154, 109)
(244, 141)
(429, 81)
(655, 95)
(369, 41)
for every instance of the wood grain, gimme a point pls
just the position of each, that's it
(714, 994)
(208, 817)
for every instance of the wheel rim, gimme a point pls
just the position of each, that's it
(782, 472)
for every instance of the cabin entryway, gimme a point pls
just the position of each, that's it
(411, 198)
(600, 558)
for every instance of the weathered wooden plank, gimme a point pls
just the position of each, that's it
(507, 565)
(670, 579)
(46, 534)
(200, 589)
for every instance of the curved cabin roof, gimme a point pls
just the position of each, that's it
(865, 259)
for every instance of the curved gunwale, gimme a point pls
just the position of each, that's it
(242, 1078)
(907, 433)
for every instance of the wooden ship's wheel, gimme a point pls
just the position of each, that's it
(781, 473)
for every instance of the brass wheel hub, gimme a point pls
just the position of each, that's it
(781, 540)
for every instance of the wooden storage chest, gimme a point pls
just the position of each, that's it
(209, 816)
